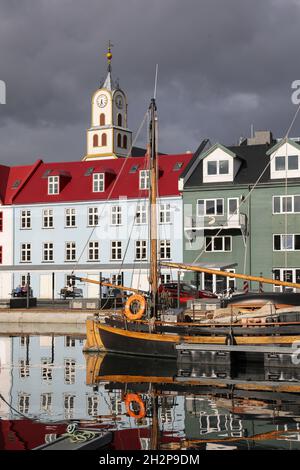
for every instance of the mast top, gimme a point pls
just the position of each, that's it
(109, 55)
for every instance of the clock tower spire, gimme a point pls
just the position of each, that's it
(108, 136)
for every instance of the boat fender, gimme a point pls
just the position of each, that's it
(134, 398)
(136, 298)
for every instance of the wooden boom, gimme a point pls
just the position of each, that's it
(265, 280)
(107, 284)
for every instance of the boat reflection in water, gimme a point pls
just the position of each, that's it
(187, 406)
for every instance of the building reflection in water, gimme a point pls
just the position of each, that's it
(46, 382)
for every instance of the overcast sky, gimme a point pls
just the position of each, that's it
(223, 65)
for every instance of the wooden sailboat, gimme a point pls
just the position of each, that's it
(142, 330)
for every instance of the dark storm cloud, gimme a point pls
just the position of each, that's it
(223, 65)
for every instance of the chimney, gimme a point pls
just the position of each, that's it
(261, 138)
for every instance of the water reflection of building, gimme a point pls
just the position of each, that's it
(5, 373)
(204, 419)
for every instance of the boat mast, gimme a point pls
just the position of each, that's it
(153, 198)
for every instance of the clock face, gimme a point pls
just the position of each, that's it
(119, 102)
(102, 101)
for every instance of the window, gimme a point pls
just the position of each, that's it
(218, 243)
(233, 206)
(1, 254)
(48, 252)
(141, 250)
(144, 179)
(120, 120)
(70, 281)
(103, 139)
(53, 185)
(23, 403)
(116, 215)
(141, 214)
(116, 250)
(70, 342)
(98, 182)
(1, 221)
(70, 253)
(93, 251)
(25, 252)
(70, 218)
(286, 204)
(93, 402)
(69, 403)
(286, 242)
(46, 370)
(24, 369)
(292, 163)
(48, 218)
(119, 140)
(165, 213)
(95, 140)
(25, 219)
(46, 402)
(165, 249)
(70, 371)
(288, 275)
(102, 119)
(219, 167)
(117, 279)
(125, 141)
(165, 278)
(93, 217)
(210, 207)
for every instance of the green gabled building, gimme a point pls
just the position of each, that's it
(242, 211)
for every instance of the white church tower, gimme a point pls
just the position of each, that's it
(108, 136)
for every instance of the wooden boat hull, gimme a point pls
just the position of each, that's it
(123, 341)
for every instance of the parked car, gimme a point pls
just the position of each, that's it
(70, 292)
(187, 291)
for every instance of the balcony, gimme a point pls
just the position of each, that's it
(194, 225)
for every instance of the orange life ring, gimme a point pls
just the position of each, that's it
(127, 310)
(134, 398)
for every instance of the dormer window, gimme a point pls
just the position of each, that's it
(291, 162)
(144, 179)
(53, 185)
(98, 183)
(220, 167)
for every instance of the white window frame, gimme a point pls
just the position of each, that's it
(48, 252)
(69, 371)
(141, 251)
(46, 401)
(98, 183)
(215, 207)
(165, 246)
(25, 219)
(141, 215)
(70, 249)
(92, 405)
(116, 250)
(116, 215)
(165, 213)
(26, 249)
(93, 251)
(93, 214)
(223, 244)
(46, 369)
(282, 197)
(165, 278)
(70, 217)
(23, 403)
(281, 235)
(144, 179)
(218, 164)
(281, 278)
(48, 219)
(237, 205)
(53, 185)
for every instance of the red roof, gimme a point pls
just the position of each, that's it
(121, 179)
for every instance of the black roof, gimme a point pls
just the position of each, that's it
(254, 160)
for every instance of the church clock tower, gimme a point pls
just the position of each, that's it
(108, 136)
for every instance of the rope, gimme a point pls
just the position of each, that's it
(77, 435)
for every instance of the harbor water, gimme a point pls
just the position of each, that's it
(47, 382)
